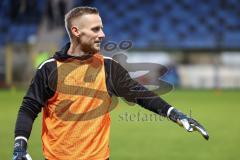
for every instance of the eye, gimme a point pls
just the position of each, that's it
(96, 29)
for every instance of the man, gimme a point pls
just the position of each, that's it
(74, 89)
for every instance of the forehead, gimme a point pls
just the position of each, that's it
(89, 20)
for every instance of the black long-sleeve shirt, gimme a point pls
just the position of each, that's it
(118, 82)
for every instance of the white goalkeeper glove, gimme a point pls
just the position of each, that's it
(20, 149)
(188, 123)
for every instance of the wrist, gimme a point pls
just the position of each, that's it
(169, 111)
(20, 144)
(175, 115)
(21, 137)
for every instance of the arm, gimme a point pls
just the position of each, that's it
(124, 86)
(37, 95)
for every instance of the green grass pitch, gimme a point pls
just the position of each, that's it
(137, 134)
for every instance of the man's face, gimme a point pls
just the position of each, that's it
(91, 34)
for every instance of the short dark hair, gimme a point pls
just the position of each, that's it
(75, 13)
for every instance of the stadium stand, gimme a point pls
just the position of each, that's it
(171, 24)
(200, 26)
(17, 25)
(186, 24)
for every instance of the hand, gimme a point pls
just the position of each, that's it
(188, 123)
(20, 149)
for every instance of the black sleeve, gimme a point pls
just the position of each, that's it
(36, 97)
(122, 85)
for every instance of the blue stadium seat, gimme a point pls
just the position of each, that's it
(232, 40)
(170, 23)
(20, 29)
(20, 33)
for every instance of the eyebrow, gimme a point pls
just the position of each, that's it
(99, 26)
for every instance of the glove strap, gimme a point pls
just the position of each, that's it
(169, 111)
(176, 115)
(20, 144)
(21, 137)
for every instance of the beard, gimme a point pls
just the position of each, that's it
(97, 46)
(91, 48)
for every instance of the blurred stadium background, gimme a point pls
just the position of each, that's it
(198, 40)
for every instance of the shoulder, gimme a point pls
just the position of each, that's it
(46, 68)
(110, 61)
(107, 59)
(46, 63)
(112, 66)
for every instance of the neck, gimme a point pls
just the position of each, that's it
(76, 50)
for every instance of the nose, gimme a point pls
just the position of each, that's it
(101, 35)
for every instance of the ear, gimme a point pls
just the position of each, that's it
(75, 31)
